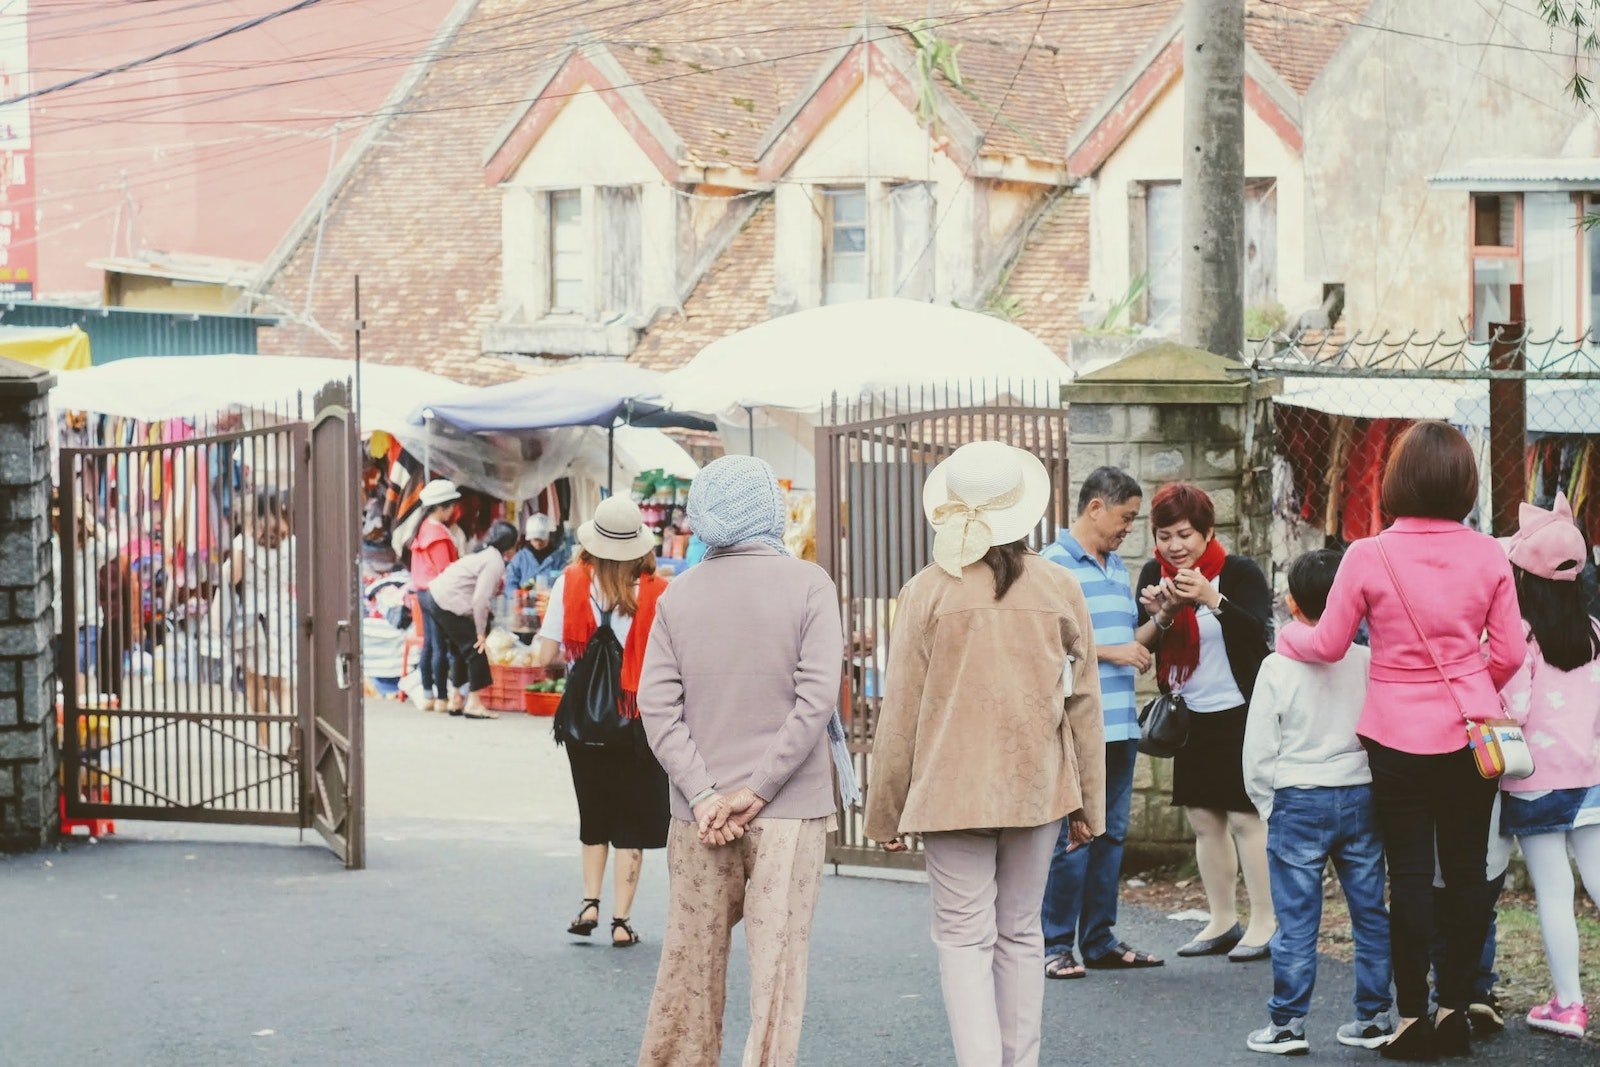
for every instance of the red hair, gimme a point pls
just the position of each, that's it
(1178, 502)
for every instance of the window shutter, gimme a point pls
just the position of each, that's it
(911, 212)
(1260, 243)
(621, 251)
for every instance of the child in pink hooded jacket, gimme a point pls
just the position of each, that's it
(1556, 697)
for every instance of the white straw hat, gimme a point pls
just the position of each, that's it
(986, 494)
(617, 531)
(438, 492)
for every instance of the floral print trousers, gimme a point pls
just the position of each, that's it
(769, 878)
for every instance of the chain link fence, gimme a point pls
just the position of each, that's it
(1530, 406)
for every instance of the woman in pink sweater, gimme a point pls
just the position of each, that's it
(1556, 696)
(1458, 586)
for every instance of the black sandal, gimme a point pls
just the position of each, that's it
(622, 924)
(1064, 966)
(582, 927)
(1116, 960)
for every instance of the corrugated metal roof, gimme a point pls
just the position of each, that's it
(1519, 174)
(120, 333)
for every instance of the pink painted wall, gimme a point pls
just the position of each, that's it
(222, 146)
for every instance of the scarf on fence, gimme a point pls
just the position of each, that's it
(578, 626)
(1179, 653)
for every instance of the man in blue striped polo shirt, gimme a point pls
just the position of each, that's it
(1080, 900)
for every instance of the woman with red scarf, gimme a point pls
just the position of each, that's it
(1206, 615)
(622, 790)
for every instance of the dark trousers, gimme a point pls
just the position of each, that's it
(1484, 978)
(438, 666)
(1080, 898)
(1423, 800)
(469, 668)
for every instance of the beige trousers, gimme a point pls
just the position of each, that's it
(988, 888)
(770, 878)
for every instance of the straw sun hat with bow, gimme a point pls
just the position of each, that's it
(986, 494)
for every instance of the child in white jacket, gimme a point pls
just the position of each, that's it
(1306, 772)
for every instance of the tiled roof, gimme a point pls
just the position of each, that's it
(1299, 37)
(1050, 278)
(731, 296)
(416, 222)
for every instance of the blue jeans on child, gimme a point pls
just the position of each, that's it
(1081, 895)
(1308, 828)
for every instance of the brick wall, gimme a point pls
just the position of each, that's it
(29, 784)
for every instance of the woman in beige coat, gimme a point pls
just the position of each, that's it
(990, 734)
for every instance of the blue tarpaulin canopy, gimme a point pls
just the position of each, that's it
(513, 439)
(610, 396)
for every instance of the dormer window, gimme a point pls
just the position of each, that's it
(877, 241)
(846, 262)
(568, 277)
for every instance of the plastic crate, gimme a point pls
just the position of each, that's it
(540, 703)
(508, 684)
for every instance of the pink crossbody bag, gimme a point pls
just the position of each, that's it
(1498, 747)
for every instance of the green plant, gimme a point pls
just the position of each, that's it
(1264, 320)
(1121, 308)
(934, 57)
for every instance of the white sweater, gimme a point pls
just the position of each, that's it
(1301, 731)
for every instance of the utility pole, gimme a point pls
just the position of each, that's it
(1213, 176)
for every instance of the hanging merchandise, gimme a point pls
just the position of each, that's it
(1363, 476)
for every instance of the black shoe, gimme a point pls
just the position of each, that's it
(1214, 946)
(1486, 1015)
(1414, 1044)
(1452, 1035)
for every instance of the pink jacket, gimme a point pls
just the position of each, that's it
(431, 552)
(1459, 585)
(1560, 713)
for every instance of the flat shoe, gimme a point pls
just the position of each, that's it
(1214, 946)
(1243, 953)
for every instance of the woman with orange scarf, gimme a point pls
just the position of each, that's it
(622, 790)
(1206, 615)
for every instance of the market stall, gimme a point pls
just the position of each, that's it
(771, 385)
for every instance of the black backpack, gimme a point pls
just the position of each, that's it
(590, 712)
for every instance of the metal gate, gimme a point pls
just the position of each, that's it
(872, 538)
(201, 580)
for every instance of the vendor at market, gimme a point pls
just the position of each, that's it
(545, 554)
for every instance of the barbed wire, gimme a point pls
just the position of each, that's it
(1418, 354)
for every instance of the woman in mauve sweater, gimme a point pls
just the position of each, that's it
(1458, 585)
(740, 683)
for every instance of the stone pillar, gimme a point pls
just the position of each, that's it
(1171, 413)
(29, 780)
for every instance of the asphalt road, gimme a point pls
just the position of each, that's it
(182, 945)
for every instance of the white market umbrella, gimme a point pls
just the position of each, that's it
(768, 386)
(860, 351)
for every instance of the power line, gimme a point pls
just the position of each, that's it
(694, 71)
(187, 46)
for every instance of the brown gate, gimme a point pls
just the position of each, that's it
(331, 693)
(192, 576)
(872, 538)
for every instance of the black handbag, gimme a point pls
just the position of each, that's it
(590, 712)
(1164, 725)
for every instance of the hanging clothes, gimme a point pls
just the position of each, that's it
(1303, 438)
(1363, 476)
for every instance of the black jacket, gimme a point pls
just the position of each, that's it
(1246, 618)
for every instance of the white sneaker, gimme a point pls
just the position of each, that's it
(1375, 1032)
(1286, 1040)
